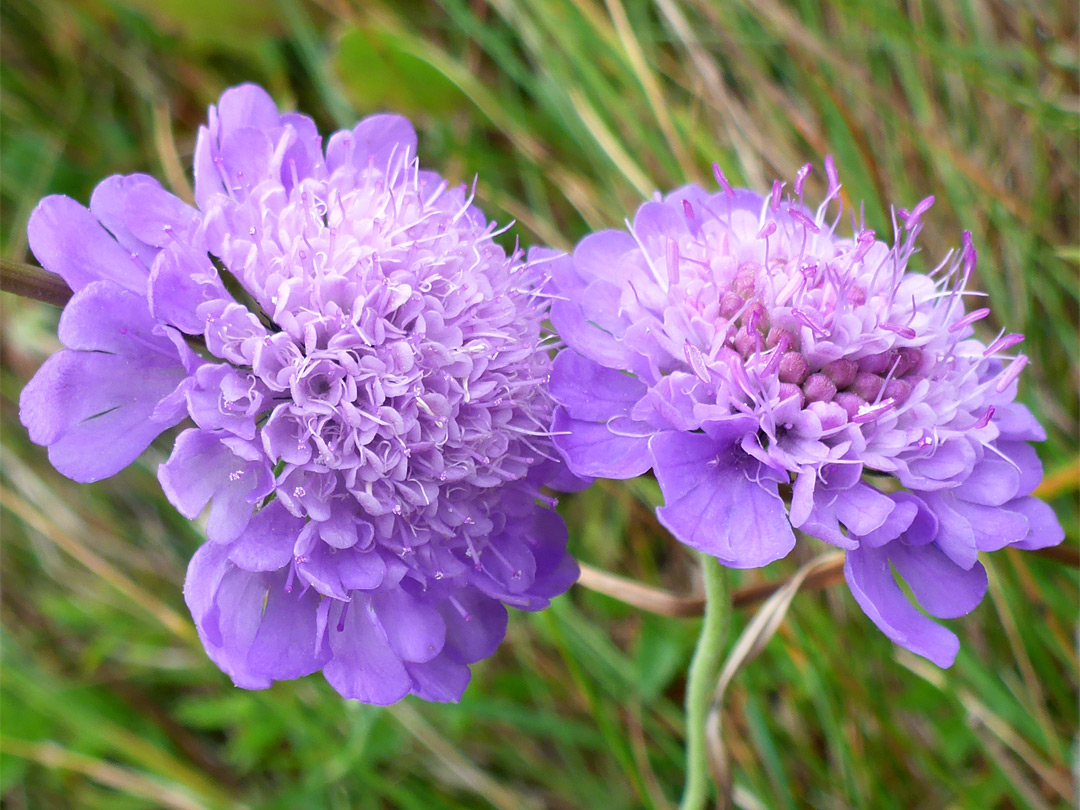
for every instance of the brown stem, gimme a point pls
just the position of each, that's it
(1064, 554)
(665, 603)
(29, 281)
(636, 594)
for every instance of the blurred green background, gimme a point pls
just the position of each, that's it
(570, 113)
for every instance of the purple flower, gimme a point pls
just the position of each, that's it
(776, 374)
(370, 423)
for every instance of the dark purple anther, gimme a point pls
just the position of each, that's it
(789, 390)
(898, 391)
(745, 282)
(910, 359)
(849, 402)
(841, 372)
(877, 363)
(819, 388)
(730, 304)
(793, 368)
(746, 341)
(868, 385)
(757, 318)
(777, 336)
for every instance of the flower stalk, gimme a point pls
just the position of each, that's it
(29, 281)
(704, 669)
(677, 606)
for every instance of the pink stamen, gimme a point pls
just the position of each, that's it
(969, 319)
(904, 331)
(830, 172)
(804, 319)
(805, 221)
(809, 271)
(985, 420)
(968, 251)
(912, 219)
(754, 318)
(1003, 343)
(800, 178)
(1011, 373)
(865, 241)
(777, 355)
(735, 366)
(722, 180)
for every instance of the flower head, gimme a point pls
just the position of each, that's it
(370, 423)
(774, 373)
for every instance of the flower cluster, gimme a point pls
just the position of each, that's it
(368, 373)
(776, 374)
(364, 367)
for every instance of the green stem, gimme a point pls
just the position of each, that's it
(704, 669)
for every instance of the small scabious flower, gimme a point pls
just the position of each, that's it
(370, 419)
(774, 373)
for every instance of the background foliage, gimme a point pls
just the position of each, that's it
(570, 112)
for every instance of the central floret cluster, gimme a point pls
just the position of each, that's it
(750, 355)
(367, 385)
(401, 386)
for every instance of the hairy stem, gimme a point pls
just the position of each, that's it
(699, 686)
